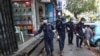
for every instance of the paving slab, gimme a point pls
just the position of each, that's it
(71, 50)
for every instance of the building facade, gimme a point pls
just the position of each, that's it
(19, 18)
(8, 41)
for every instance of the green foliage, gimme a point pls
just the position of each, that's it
(67, 16)
(79, 6)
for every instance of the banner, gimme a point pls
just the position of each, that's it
(59, 4)
(50, 12)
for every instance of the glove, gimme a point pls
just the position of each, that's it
(58, 37)
(83, 30)
(77, 34)
(68, 28)
(54, 31)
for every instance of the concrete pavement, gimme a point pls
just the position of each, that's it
(71, 50)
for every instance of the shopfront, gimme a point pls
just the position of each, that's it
(41, 11)
(50, 10)
(24, 17)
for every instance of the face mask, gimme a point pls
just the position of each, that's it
(72, 20)
(63, 21)
(45, 21)
(82, 21)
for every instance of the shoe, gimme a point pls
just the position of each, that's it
(61, 53)
(80, 47)
(72, 44)
(51, 54)
(88, 48)
(68, 43)
(77, 48)
(48, 55)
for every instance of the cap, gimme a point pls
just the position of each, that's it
(71, 18)
(63, 18)
(82, 19)
(45, 18)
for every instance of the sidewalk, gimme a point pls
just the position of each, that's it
(70, 50)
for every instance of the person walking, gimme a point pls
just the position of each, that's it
(60, 28)
(88, 35)
(70, 29)
(47, 28)
(80, 33)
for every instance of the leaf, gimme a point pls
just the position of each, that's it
(79, 6)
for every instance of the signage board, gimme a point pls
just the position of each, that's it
(59, 4)
(46, 1)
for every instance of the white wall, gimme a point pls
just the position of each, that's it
(33, 14)
(37, 4)
(64, 5)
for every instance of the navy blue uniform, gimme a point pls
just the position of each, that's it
(80, 32)
(60, 27)
(70, 25)
(48, 36)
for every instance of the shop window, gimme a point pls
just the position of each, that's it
(22, 15)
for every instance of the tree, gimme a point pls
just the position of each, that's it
(79, 6)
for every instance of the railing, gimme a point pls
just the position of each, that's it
(34, 49)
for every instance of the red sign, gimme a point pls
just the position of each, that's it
(21, 0)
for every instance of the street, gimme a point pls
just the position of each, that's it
(26, 24)
(71, 50)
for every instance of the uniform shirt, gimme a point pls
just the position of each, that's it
(60, 26)
(80, 27)
(70, 25)
(48, 31)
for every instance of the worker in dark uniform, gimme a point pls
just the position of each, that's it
(70, 29)
(80, 33)
(60, 28)
(47, 28)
